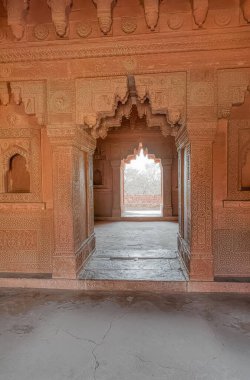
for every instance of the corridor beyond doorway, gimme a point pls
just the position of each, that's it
(135, 251)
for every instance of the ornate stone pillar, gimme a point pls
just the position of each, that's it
(201, 200)
(90, 194)
(201, 128)
(116, 186)
(167, 186)
(122, 186)
(74, 241)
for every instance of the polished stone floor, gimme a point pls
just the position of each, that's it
(65, 335)
(135, 251)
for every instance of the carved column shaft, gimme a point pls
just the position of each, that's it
(116, 184)
(64, 257)
(90, 194)
(73, 198)
(201, 264)
(167, 187)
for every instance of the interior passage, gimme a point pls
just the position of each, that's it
(135, 251)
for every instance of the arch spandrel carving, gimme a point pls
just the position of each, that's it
(97, 101)
(98, 98)
(32, 95)
(166, 93)
(232, 87)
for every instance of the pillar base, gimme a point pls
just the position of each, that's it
(69, 266)
(201, 268)
(117, 212)
(167, 211)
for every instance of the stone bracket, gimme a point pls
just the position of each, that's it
(16, 12)
(200, 10)
(151, 9)
(104, 14)
(59, 13)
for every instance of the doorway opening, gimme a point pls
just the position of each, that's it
(135, 180)
(141, 176)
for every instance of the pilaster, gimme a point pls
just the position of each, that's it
(116, 181)
(167, 187)
(74, 239)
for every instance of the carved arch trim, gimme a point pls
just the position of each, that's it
(12, 151)
(97, 99)
(137, 151)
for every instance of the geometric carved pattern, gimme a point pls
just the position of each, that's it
(232, 242)
(201, 196)
(26, 241)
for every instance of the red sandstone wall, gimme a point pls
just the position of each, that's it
(142, 201)
(231, 241)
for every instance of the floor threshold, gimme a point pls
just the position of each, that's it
(139, 286)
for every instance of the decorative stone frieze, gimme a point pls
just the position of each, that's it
(151, 9)
(59, 12)
(200, 10)
(71, 135)
(16, 13)
(104, 13)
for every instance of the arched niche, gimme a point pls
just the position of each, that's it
(17, 178)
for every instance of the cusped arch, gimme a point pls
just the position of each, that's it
(11, 152)
(136, 153)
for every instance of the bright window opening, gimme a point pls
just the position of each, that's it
(142, 186)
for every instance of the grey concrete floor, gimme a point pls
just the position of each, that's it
(135, 251)
(57, 335)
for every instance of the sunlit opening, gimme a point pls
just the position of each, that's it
(142, 186)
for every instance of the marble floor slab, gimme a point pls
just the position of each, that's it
(135, 251)
(69, 335)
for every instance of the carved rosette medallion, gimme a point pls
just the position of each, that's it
(41, 32)
(222, 18)
(175, 22)
(59, 101)
(129, 25)
(5, 71)
(83, 29)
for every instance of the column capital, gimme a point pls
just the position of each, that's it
(71, 135)
(115, 163)
(166, 161)
(200, 131)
